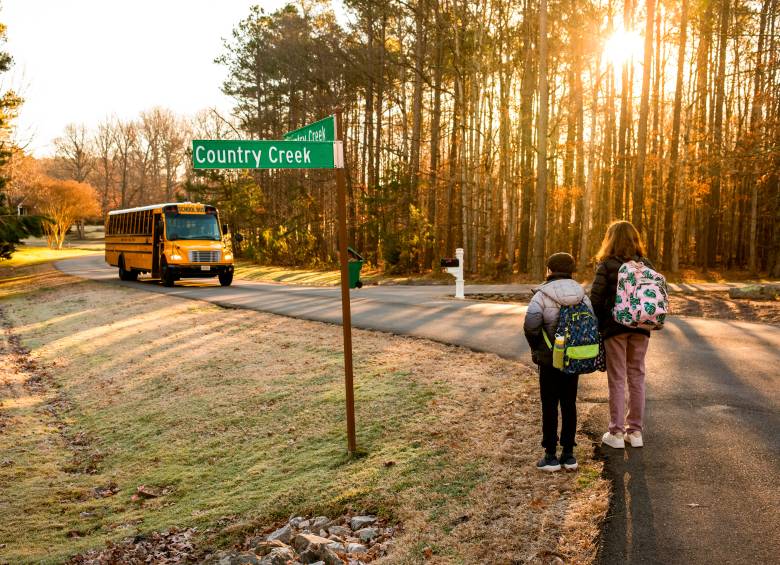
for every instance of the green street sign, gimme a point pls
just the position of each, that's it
(322, 130)
(265, 154)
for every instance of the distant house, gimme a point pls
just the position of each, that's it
(22, 209)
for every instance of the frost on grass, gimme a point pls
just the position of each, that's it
(235, 420)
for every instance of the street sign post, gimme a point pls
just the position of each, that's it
(315, 146)
(252, 154)
(331, 129)
(346, 315)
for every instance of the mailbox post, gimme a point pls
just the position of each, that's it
(455, 268)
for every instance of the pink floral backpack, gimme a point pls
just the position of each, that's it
(641, 300)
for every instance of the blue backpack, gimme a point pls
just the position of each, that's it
(583, 348)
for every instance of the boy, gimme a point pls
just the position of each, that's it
(554, 386)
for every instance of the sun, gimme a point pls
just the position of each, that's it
(622, 46)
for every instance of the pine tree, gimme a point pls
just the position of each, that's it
(13, 228)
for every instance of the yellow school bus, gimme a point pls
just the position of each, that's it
(170, 241)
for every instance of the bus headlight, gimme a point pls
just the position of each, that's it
(176, 257)
(228, 256)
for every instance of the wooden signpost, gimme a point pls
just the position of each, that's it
(318, 145)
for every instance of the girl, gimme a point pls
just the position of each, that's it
(625, 347)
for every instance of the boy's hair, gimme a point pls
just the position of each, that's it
(621, 240)
(561, 263)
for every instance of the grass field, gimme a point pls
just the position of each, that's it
(26, 255)
(236, 419)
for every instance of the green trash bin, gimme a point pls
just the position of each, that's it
(354, 263)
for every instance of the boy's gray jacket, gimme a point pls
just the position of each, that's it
(545, 306)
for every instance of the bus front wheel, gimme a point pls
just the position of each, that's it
(225, 279)
(166, 275)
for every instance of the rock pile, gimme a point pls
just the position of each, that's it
(351, 540)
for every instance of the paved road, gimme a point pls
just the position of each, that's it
(705, 487)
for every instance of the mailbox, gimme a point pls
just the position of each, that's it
(454, 267)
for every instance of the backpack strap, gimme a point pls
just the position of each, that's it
(546, 339)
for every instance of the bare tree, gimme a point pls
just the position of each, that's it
(74, 148)
(126, 142)
(104, 142)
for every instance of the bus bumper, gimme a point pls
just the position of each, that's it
(199, 271)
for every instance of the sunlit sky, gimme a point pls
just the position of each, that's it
(79, 61)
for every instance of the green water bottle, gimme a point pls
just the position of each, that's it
(558, 350)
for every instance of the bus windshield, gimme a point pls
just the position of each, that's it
(191, 226)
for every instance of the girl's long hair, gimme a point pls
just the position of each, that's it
(621, 240)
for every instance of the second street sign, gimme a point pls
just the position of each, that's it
(322, 130)
(252, 154)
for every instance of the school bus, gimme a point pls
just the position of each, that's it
(170, 241)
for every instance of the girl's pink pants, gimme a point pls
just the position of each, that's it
(626, 364)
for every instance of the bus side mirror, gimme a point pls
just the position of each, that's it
(224, 229)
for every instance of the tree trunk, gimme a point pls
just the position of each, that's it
(417, 96)
(506, 185)
(526, 122)
(540, 234)
(670, 204)
(579, 215)
(717, 140)
(435, 135)
(626, 92)
(702, 63)
(755, 125)
(583, 255)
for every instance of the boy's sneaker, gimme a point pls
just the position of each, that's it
(613, 440)
(549, 463)
(635, 438)
(568, 461)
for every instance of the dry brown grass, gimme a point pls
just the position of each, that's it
(239, 414)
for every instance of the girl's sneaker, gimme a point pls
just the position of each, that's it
(549, 463)
(635, 439)
(614, 440)
(568, 461)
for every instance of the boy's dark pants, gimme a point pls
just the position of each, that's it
(558, 387)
